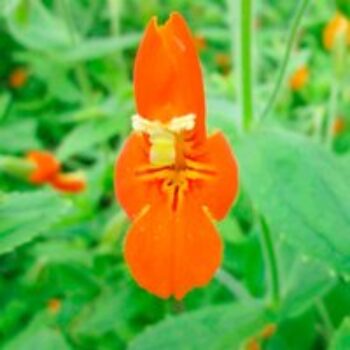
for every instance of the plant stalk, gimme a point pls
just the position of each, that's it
(245, 30)
(79, 69)
(271, 264)
(303, 4)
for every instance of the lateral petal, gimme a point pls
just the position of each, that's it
(132, 193)
(219, 192)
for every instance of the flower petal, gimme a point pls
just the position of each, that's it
(169, 252)
(46, 164)
(167, 75)
(337, 26)
(132, 193)
(69, 182)
(219, 192)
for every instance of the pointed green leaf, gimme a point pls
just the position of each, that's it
(24, 216)
(302, 190)
(220, 327)
(341, 338)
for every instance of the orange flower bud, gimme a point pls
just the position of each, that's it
(299, 78)
(54, 306)
(337, 26)
(69, 182)
(338, 126)
(200, 42)
(268, 331)
(46, 166)
(18, 78)
(223, 60)
(253, 344)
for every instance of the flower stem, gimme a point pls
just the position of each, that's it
(290, 44)
(325, 318)
(339, 52)
(234, 286)
(19, 167)
(178, 307)
(79, 69)
(271, 264)
(333, 106)
(245, 31)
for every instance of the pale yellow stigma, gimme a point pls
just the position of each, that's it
(162, 136)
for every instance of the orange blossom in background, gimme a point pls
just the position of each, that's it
(299, 78)
(47, 169)
(338, 26)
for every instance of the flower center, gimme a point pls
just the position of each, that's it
(169, 161)
(167, 145)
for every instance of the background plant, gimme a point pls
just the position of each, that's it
(65, 85)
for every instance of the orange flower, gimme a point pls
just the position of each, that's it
(338, 26)
(268, 331)
(18, 78)
(54, 306)
(47, 169)
(46, 166)
(299, 78)
(69, 182)
(253, 344)
(171, 178)
(223, 60)
(338, 126)
(200, 42)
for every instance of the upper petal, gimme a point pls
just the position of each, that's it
(132, 193)
(167, 75)
(218, 192)
(169, 252)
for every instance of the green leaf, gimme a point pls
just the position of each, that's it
(94, 48)
(299, 296)
(286, 336)
(18, 136)
(32, 25)
(54, 251)
(24, 216)
(344, 7)
(5, 100)
(303, 192)
(38, 335)
(223, 115)
(221, 327)
(88, 135)
(341, 338)
(99, 317)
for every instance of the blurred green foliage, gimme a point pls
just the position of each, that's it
(63, 280)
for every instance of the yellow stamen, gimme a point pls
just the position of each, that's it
(163, 136)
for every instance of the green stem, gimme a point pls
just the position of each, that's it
(79, 70)
(178, 306)
(290, 44)
(18, 167)
(234, 286)
(339, 52)
(271, 264)
(326, 320)
(115, 7)
(333, 107)
(245, 61)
